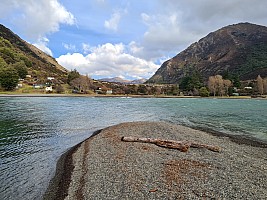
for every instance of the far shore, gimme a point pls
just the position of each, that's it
(9, 94)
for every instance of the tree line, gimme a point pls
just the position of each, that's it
(14, 66)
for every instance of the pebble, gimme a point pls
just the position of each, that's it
(107, 168)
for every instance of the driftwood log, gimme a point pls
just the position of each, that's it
(172, 144)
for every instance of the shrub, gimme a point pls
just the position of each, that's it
(203, 92)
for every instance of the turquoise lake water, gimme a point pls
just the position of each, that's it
(35, 131)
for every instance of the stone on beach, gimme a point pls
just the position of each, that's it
(104, 167)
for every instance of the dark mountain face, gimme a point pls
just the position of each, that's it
(239, 50)
(14, 49)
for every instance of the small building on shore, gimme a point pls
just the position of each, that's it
(49, 89)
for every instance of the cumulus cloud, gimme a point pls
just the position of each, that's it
(165, 32)
(210, 12)
(164, 36)
(42, 44)
(109, 60)
(224, 11)
(37, 18)
(176, 25)
(86, 48)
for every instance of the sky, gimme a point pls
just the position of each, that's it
(122, 38)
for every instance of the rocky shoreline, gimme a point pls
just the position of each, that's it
(104, 167)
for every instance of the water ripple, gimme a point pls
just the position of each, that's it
(34, 132)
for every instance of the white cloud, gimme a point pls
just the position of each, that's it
(113, 22)
(37, 18)
(177, 24)
(109, 60)
(42, 45)
(135, 48)
(70, 47)
(86, 48)
(165, 33)
(43, 17)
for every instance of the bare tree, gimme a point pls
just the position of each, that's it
(260, 84)
(83, 83)
(227, 84)
(212, 85)
(156, 90)
(219, 84)
(265, 86)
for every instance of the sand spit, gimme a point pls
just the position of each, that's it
(104, 167)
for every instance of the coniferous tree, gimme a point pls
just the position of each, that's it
(73, 74)
(8, 78)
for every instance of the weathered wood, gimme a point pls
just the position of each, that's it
(209, 147)
(172, 144)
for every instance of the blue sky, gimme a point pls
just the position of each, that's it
(126, 38)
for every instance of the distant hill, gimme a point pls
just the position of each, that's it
(120, 80)
(138, 81)
(235, 50)
(14, 49)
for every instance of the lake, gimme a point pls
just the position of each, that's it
(35, 131)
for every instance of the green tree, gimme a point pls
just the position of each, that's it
(73, 74)
(7, 54)
(191, 81)
(9, 78)
(203, 92)
(5, 43)
(185, 83)
(27, 62)
(21, 68)
(2, 63)
(236, 81)
(226, 74)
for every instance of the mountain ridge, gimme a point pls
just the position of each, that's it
(239, 49)
(41, 63)
(123, 81)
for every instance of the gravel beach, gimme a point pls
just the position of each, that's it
(104, 167)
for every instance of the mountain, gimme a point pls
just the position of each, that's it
(236, 50)
(114, 80)
(13, 50)
(138, 81)
(120, 80)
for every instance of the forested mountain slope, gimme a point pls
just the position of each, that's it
(16, 52)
